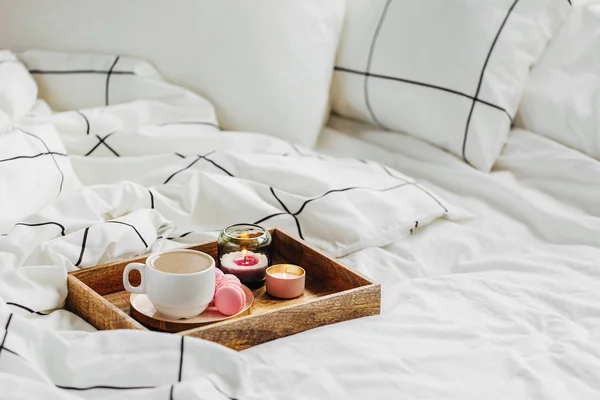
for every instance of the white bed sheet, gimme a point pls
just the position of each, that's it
(503, 305)
(506, 305)
(158, 173)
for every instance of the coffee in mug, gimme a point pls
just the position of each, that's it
(179, 283)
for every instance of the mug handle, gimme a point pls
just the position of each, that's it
(135, 289)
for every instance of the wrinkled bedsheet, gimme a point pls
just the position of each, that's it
(502, 306)
(113, 162)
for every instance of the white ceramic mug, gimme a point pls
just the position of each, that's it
(179, 283)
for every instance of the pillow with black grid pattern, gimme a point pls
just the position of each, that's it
(450, 72)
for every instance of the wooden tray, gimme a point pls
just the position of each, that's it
(333, 294)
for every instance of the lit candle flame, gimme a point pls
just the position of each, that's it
(244, 253)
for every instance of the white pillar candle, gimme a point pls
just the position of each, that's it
(247, 265)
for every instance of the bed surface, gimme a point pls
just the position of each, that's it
(498, 299)
(504, 305)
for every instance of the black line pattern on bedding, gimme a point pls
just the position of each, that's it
(219, 389)
(183, 169)
(85, 235)
(287, 211)
(198, 158)
(21, 306)
(47, 153)
(62, 228)
(487, 59)
(416, 226)
(191, 123)
(102, 140)
(369, 60)
(171, 389)
(415, 184)
(190, 232)
(62, 175)
(65, 387)
(427, 85)
(105, 387)
(295, 215)
(403, 181)
(180, 360)
(5, 333)
(151, 199)
(109, 387)
(108, 79)
(131, 226)
(185, 234)
(87, 122)
(217, 165)
(78, 71)
(301, 154)
(12, 352)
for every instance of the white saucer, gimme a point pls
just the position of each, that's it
(143, 310)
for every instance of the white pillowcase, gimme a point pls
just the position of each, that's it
(74, 81)
(449, 72)
(562, 97)
(18, 91)
(265, 64)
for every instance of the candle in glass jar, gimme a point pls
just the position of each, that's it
(244, 251)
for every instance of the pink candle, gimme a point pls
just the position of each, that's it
(248, 266)
(246, 260)
(285, 281)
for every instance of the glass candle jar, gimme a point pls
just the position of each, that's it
(245, 251)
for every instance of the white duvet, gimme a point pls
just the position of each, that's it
(502, 305)
(132, 164)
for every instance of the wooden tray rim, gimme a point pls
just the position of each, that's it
(274, 231)
(279, 309)
(134, 324)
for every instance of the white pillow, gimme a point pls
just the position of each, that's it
(562, 97)
(68, 81)
(18, 91)
(449, 72)
(265, 64)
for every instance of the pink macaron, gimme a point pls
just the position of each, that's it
(227, 279)
(224, 279)
(218, 274)
(230, 299)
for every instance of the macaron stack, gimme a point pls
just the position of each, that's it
(229, 298)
